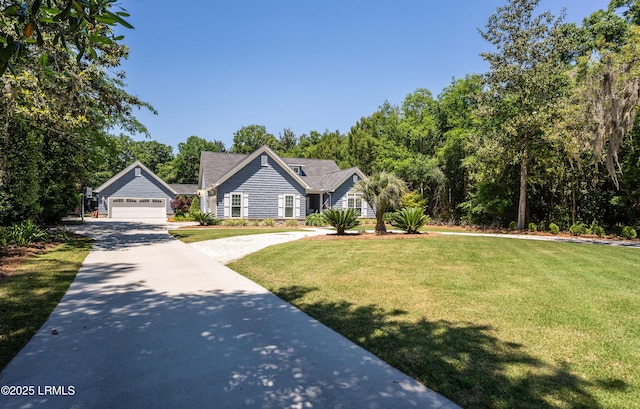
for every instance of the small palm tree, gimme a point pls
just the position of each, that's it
(341, 219)
(383, 192)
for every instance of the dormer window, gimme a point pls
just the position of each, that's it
(296, 170)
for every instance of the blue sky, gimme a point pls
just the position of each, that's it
(211, 67)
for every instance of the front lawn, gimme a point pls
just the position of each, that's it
(194, 235)
(29, 293)
(487, 322)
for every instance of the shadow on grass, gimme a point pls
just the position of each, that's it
(29, 296)
(463, 361)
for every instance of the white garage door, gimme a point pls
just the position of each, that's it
(132, 208)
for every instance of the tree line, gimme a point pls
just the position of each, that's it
(548, 135)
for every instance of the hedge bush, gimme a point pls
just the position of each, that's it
(628, 232)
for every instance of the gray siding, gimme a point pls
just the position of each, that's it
(337, 197)
(263, 184)
(132, 186)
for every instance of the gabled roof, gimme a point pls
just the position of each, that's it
(214, 165)
(319, 174)
(127, 170)
(249, 158)
(329, 182)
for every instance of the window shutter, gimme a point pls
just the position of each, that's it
(364, 208)
(245, 205)
(345, 202)
(227, 205)
(297, 203)
(280, 206)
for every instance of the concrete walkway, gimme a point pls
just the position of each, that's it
(234, 248)
(150, 322)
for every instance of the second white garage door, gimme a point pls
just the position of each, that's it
(132, 208)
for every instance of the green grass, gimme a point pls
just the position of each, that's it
(31, 292)
(194, 235)
(487, 322)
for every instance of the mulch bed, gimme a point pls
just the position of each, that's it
(12, 257)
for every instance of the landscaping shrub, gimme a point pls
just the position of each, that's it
(269, 222)
(576, 229)
(628, 232)
(513, 225)
(413, 199)
(315, 219)
(597, 229)
(205, 219)
(553, 228)
(291, 223)
(410, 219)
(342, 219)
(236, 222)
(21, 234)
(255, 222)
(194, 207)
(533, 227)
(180, 205)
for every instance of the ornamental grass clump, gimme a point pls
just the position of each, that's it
(342, 219)
(410, 219)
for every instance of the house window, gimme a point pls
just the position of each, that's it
(288, 205)
(354, 201)
(355, 178)
(264, 160)
(296, 170)
(138, 171)
(236, 205)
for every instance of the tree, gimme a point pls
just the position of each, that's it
(457, 124)
(526, 79)
(287, 141)
(383, 192)
(185, 168)
(609, 79)
(250, 138)
(31, 30)
(66, 98)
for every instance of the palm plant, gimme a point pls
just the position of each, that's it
(204, 219)
(342, 219)
(410, 219)
(383, 192)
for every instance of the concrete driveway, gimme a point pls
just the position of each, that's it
(150, 322)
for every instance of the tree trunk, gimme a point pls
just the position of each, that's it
(380, 226)
(524, 170)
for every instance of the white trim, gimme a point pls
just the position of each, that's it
(280, 206)
(239, 207)
(245, 205)
(296, 210)
(227, 205)
(292, 207)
